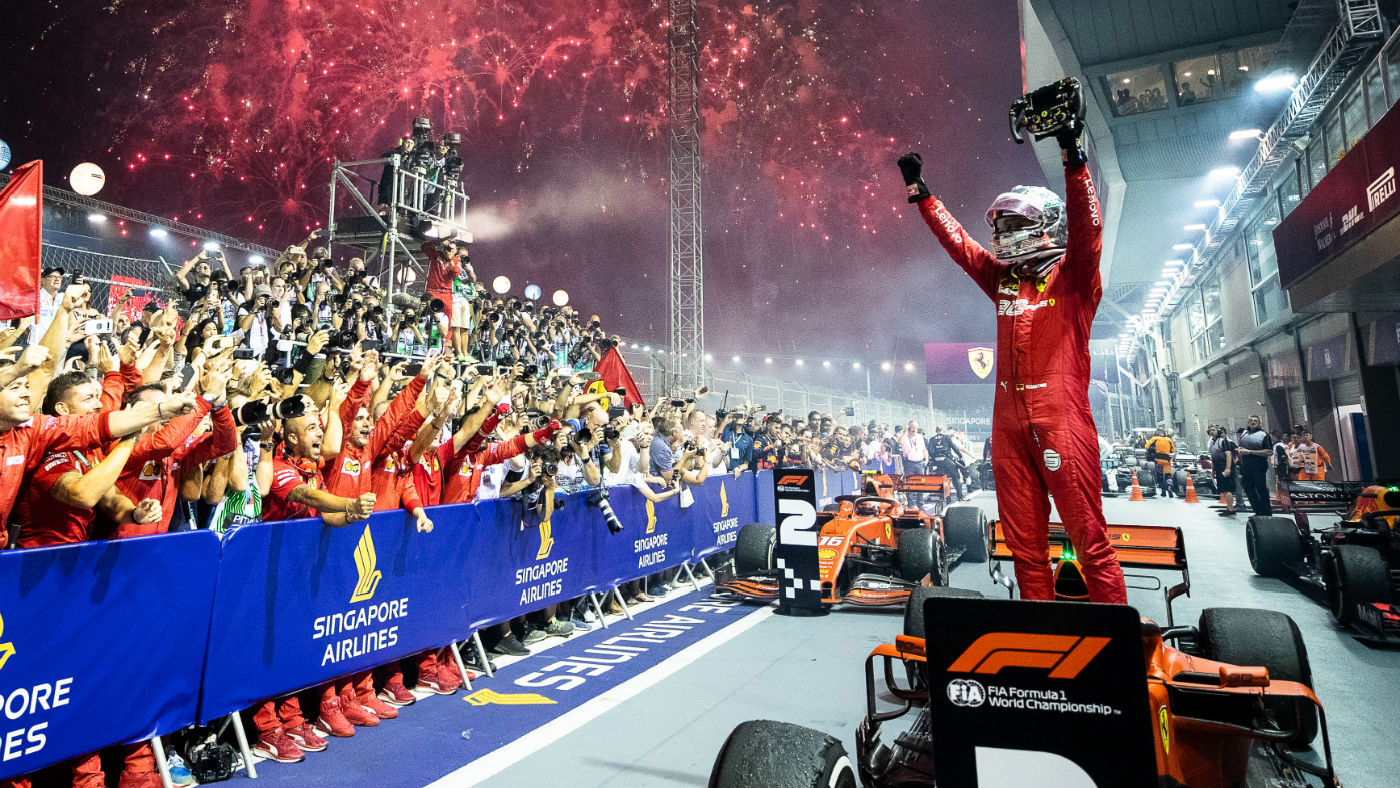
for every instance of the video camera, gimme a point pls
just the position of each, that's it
(1048, 111)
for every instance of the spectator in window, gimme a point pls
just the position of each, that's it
(1187, 95)
(1256, 447)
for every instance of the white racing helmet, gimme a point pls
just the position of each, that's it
(1028, 229)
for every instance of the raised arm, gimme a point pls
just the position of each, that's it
(971, 256)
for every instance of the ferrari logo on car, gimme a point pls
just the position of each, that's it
(981, 358)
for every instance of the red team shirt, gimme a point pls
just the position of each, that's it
(287, 476)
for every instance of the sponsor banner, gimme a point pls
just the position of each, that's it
(452, 733)
(960, 362)
(1001, 673)
(1349, 203)
(795, 555)
(765, 507)
(299, 603)
(722, 507)
(1382, 338)
(1331, 358)
(533, 564)
(101, 643)
(653, 536)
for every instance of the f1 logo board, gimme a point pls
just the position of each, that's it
(1003, 673)
(795, 554)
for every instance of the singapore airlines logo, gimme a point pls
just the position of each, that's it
(365, 562)
(7, 649)
(651, 517)
(723, 501)
(546, 541)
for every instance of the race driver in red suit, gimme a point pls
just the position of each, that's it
(1044, 279)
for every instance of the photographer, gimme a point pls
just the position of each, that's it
(258, 321)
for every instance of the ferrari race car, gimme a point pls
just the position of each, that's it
(1354, 561)
(1227, 702)
(872, 551)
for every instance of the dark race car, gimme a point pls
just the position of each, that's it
(1354, 561)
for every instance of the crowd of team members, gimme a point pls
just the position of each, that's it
(277, 395)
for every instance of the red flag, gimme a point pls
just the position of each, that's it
(21, 234)
(616, 376)
(133, 307)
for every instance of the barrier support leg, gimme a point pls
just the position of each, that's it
(161, 765)
(457, 657)
(481, 654)
(597, 608)
(622, 603)
(242, 739)
(707, 568)
(693, 582)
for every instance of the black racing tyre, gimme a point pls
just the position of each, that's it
(914, 608)
(1179, 477)
(772, 754)
(1354, 575)
(965, 528)
(1271, 541)
(753, 550)
(1249, 637)
(920, 553)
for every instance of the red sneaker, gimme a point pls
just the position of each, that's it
(275, 745)
(449, 678)
(396, 694)
(356, 712)
(381, 709)
(138, 780)
(306, 738)
(434, 682)
(332, 721)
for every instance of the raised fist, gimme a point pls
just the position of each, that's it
(911, 166)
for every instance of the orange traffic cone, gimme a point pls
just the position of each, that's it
(1137, 491)
(1191, 490)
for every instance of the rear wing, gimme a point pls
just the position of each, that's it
(1323, 497)
(1148, 547)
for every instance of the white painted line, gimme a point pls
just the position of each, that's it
(502, 758)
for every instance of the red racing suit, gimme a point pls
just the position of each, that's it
(1044, 432)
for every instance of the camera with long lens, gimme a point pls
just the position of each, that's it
(599, 499)
(537, 419)
(256, 411)
(1047, 111)
(610, 433)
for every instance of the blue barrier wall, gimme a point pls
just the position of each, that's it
(102, 643)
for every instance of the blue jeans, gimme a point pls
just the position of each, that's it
(912, 468)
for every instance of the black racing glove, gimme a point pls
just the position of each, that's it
(1071, 148)
(910, 166)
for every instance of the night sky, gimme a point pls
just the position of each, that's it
(225, 115)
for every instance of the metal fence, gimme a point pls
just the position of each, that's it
(655, 376)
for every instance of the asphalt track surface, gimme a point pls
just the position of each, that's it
(685, 672)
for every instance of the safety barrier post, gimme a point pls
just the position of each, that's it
(481, 654)
(161, 765)
(242, 737)
(461, 667)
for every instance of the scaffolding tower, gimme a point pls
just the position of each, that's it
(686, 256)
(388, 241)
